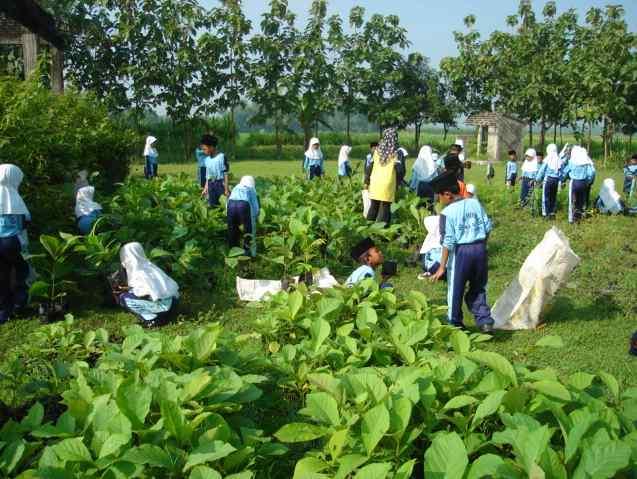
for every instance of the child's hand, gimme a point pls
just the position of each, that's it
(438, 274)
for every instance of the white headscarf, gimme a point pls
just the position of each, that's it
(11, 203)
(579, 156)
(343, 154)
(425, 166)
(432, 240)
(553, 160)
(247, 182)
(144, 278)
(84, 204)
(148, 149)
(610, 197)
(460, 142)
(530, 165)
(311, 153)
(404, 152)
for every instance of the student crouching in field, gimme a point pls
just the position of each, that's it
(581, 171)
(344, 167)
(464, 228)
(243, 211)
(14, 216)
(548, 175)
(630, 176)
(529, 171)
(383, 176)
(431, 249)
(423, 171)
(86, 210)
(511, 170)
(151, 157)
(367, 254)
(216, 171)
(142, 288)
(313, 161)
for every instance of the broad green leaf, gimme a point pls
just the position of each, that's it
(577, 432)
(11, 455)
(550, 342)
(34, 417)
(348, 463)
(112, 444)
(496, 362)
(195, 386)
(552, 389)
(400, 415)
(322, 407)
(486, 466)
(320, 331)
(133, 399)
(295, 302)
(310, 468)
(552, 466)
(581, 380)
(72, 450)
(300, 432)
(208, 452)
(446, 457)
(337, 442)
(204, 472)
(241, 475)
(149, 454)
(488, 406)
(458, 402)
(374, 471)
(405, 471)
(460, 342)
(603, 460)
(174, 420)
(374, 425)
(611, 383)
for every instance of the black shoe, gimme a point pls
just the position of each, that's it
(486, 328)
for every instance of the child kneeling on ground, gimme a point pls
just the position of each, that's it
(465, 228)
(141, 288)
(431, 250)
(370, 257)
(243, 211)
(87, 211)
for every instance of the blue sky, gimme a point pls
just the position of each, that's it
(430, 23)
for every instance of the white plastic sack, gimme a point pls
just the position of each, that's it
(366, 202)
(543, 272)
(258, 289)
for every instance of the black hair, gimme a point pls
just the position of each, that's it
(209, 140)
(539, 152)
(513, 152)
(453, 189)
(634, 157)
(373, 144)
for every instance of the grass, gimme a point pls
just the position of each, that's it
(595, 313)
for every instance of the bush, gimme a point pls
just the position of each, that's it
(52, 137)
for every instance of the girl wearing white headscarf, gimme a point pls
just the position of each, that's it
(609, 201)
(86, 210)
(145, 290)
(243, 211)
(581, 171)
(548, 175)
(313, 160)
(150, 155)
(529, 171)
(423, 171)
(344, 168)
(431, 250)
(14, 216)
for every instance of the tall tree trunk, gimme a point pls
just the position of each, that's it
(555, 133)
(542, 133)
(531, 134)
(417, 135)
(590, 135)
(561, 137)
(233, 140)
(349, 138)
(277, 136)
(445, 129)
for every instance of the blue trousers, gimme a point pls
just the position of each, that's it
(239, 215)
(578, 191)
(525, 189)
(315, 172)
(215, 190)
(150, 169)
(202, 176)
(549, 196)
(511, 179)
(468, 263)
(12, 262)
(85, 223)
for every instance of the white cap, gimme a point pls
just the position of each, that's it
(471, 188)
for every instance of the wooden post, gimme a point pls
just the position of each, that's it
(479, 140)
(57, 70)
(29, 52)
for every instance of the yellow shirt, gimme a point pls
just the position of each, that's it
(382, 182)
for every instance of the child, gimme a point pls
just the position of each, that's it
(344, 168)
(511, 170)
(370, 156)
(453, 165)
(150, 155)
(14, 215)
(465, 228)
(243, 210)
(458, 149)
(86, 210)
(490, 171)
(423, 171)
(529, 171)
(216, 171)
(581, 171)
(630, 176)
(548, 175)
(609, 201)
(431, 250)
(201, 165)
(370, 257)
(313, 161)
(142, 288)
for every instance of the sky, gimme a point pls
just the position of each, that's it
(430, 23)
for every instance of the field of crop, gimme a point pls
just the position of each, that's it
(355, 383)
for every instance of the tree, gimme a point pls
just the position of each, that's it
(443, 107)
(413, 92)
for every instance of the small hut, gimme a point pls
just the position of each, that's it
(26, 24)
(497, 133)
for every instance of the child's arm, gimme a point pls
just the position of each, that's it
(225, 185)
(443, 265)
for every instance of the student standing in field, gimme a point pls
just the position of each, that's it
(201, 166)
(630, 176)
(511, 170)
(216, 171)
(86, 210)
(151, 157)
(383, 176)
(14, 216)
(529, 171)
(344, 167)
(423, 171)
(313, 163)
(548, 175)
(243, 211)
(464, 228)
(581, 171)
(458, 149)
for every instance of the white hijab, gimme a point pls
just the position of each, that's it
(553, 160)
(148, 149)
(313, 154)
(610, 197)
(432, 240)
(84, 204)
(471, 188)
(530, 166)
(425, 166)
(343, 154)
(144, 278)
(460, 142)
(247, 182)
(579, 156)
(11, 203)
